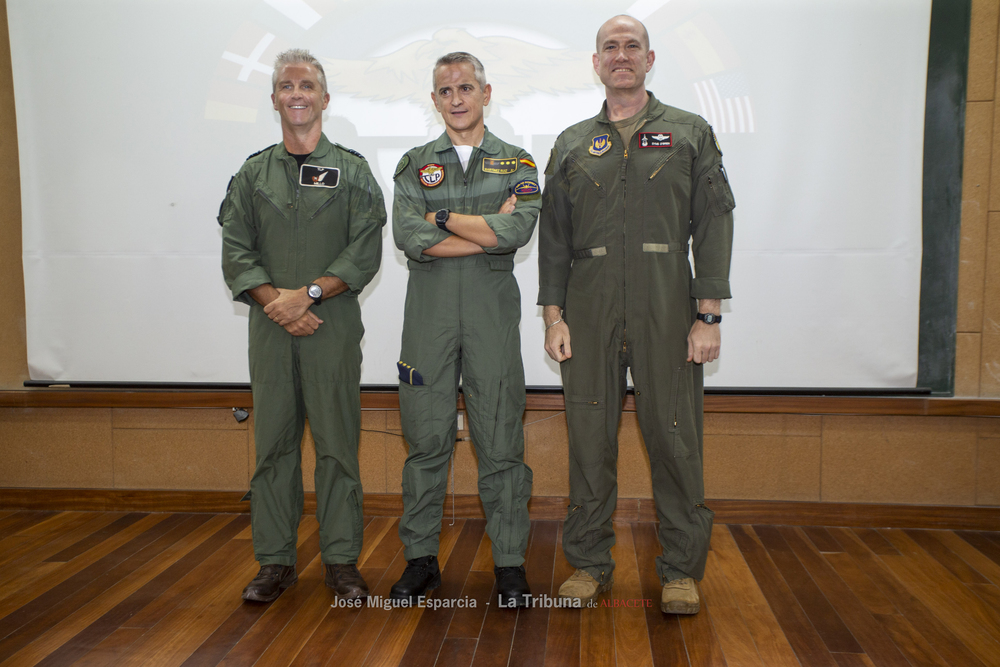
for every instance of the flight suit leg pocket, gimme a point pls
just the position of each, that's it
(585, 417)
(416, 412)
(681, 430)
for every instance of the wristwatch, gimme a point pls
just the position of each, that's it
(709, 318)
(441, 219)
(315, 293)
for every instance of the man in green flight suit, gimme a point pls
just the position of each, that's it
(302, 235)
(463, 205)
(625, 192)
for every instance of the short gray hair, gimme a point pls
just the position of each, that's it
(458, 57)
(297, 57)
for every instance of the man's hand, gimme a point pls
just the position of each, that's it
(705, 340)
(508, 206)
(305, 325)
(289, 307)
(556, 334)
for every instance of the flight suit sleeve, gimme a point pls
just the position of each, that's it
(555, 235)
(241, 264)
(358, 263)
(410, 230)
(712, 206)
(514, 230)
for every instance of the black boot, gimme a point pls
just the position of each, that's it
(512, 587)
(421, 575)
(269, 582)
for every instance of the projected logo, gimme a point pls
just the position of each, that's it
(548, 57)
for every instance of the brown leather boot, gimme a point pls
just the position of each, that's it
(269, 582)
(346, 581)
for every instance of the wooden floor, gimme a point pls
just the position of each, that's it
(93, 588)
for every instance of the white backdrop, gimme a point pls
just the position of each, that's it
(132, 116)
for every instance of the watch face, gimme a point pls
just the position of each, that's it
(315, 291)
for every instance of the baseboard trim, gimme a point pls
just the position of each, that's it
(540, 508)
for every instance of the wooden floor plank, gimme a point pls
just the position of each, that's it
(88, 638)
(970, 554)
(982, 542)
(861, 585)
(111, 648)
(802, 636)
(631, 639)
(874, 541)
(852, 660)
(76, 613)
(38, 536)
(597, 634)
(988, 593)
(665, 637)
(467, 622)
(944, 641)
(39, 616)
(93, 539)
(528, 648)
(822, 539)
(456, 652)
(433, 626)
(879, 647)
(52, 585)
(25, 563)
(562, 636)
(917, 649)
(968, 617)
(484, 557)
(963, 571)
(719, 603)
(15, 523)
(828, 623)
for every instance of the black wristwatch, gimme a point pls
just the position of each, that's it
(315, 293)
(709, 318)
(441, 219)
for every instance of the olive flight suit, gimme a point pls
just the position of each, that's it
(288, 226)
(461, 320)
(613, 253)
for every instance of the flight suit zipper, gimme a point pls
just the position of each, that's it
(624, 252)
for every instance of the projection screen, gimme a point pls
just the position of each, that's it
(132, 116)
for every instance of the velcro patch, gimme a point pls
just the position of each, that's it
(600, 145)
(526, 187)
(409, 374)
(314, 176)
(505, 165)
(655, 140)
(403, 161)
(431, 175)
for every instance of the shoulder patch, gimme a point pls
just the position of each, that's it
(253, 155)
(401, 165)
(715, 140)
(526, 187)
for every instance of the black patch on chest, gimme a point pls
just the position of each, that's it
(313, 176)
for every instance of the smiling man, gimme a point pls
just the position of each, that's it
(625, 194)
(302, 235)
(463, 205)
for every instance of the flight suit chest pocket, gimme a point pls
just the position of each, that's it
(590, 195)
(316, 201)
(268, 202)
(720, 195)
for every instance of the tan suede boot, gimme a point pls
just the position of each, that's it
(583, 587)
(680, 596)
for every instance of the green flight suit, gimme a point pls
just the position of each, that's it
(461, 320)
(613, 253)
(280, 231)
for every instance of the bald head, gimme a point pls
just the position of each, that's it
(623, 21)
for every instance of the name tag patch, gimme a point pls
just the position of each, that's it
(600, 145)
(655, 140)
(505, 165)
(314, 176)
(431, 175)
(526, 187)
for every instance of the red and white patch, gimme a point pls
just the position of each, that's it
(431, 175)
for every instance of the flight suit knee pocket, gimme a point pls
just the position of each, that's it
(416, 411)
(495, 408)
(586, 417)
(681, 430)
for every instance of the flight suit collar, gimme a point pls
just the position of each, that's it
(323, 148)
(490, 145)
(653, 109)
